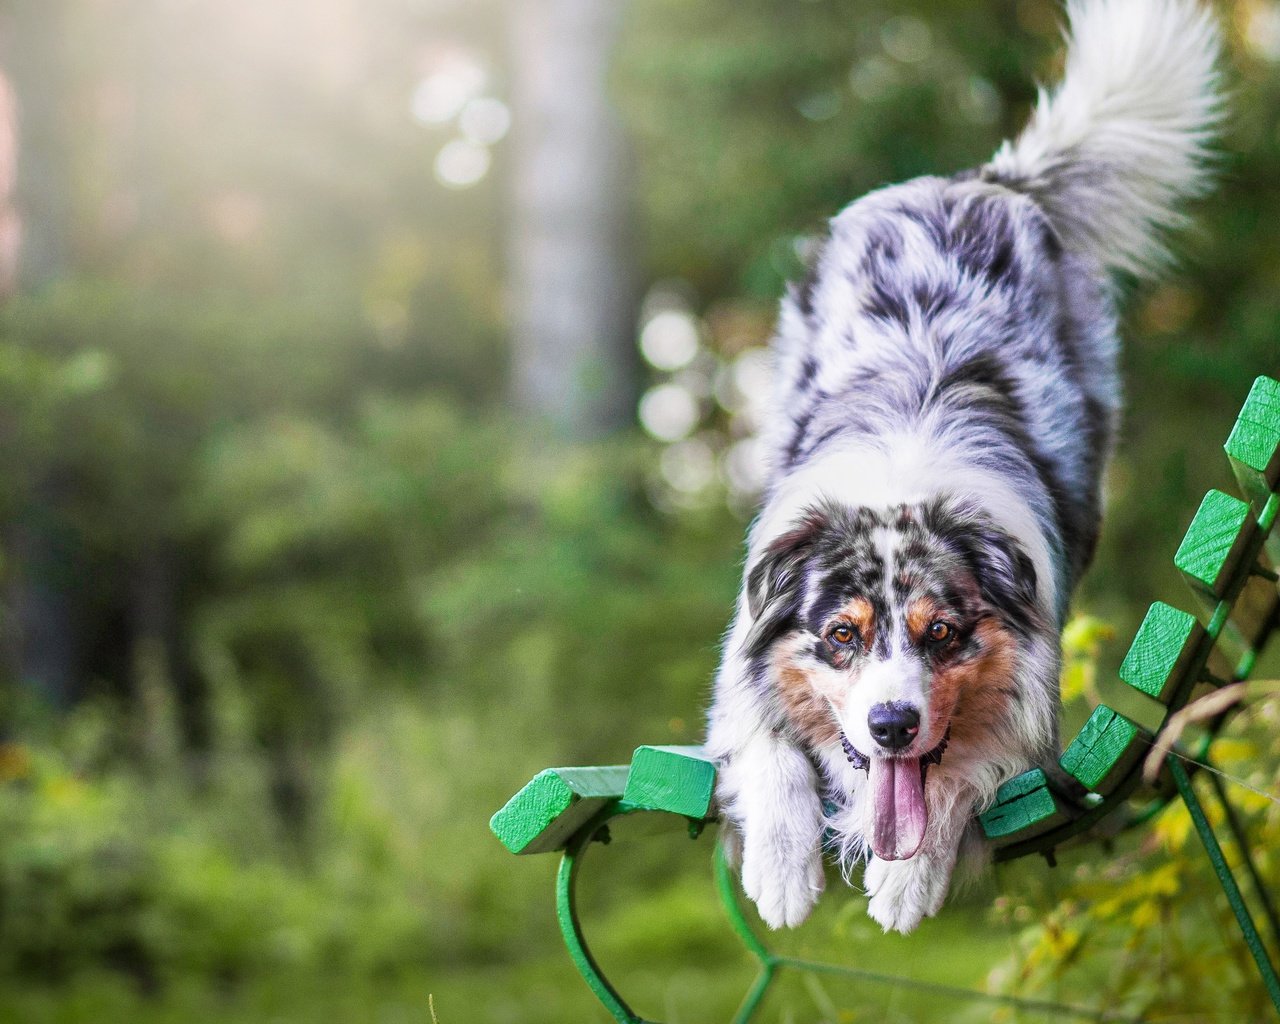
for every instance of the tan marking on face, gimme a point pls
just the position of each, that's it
(859, 614)
(806, 692)
(921, 613)
(974, 695)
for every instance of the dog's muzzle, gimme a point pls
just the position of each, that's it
(899, 815)
(860, 760)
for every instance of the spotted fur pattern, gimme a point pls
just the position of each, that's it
(947, 398)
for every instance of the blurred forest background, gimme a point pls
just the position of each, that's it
(377, 389)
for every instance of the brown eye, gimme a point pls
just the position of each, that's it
(842, 634)
(940, 632)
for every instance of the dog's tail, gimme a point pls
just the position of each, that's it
(1125, 136)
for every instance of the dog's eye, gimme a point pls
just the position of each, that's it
(940, 632)
(843, 635)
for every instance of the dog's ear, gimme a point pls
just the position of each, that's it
(1006, 578)
(774, 582)
(1003, 571)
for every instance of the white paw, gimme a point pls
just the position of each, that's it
(904, 892)
(782, 874)
(937, 895)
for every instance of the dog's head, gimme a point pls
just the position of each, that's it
(894, 632)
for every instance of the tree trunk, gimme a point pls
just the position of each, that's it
(571, 284)
(45, 620)
(45, 636)
(32, 41)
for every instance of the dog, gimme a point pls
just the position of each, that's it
(946, 400)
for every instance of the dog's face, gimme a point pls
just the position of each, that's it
(894, 633)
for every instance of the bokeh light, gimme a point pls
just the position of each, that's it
(669, 340)
(689, 466)
(668, 412)
(743, 466)
(461, 163)
(907, 39)
(1261, 28)
(484, 120)
(873, 79)
(752, 377)
(442, 93)
(820, 106)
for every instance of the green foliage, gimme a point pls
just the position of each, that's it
(752, 136)
(387, 698)
(332, 606)
(1145, 930)
(163, 882)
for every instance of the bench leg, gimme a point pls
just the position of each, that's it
(768, 962)
(1227, 879)
(571, 928)
(1242, 844)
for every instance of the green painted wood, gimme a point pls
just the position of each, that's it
(554, 804)
(1025, 806)
(1215, 544)
(1105, 749)
(677, 779)
(1254, 444)
(1165, 650)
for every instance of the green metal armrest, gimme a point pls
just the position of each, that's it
(559, 803)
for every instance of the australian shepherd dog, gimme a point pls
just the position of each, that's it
(945, 403)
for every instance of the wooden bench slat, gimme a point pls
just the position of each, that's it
(1254, 444)
(554, 804)
(1105, 749)
(1215, 544)
(1166, 649)
(1025, 807)
(678, 779)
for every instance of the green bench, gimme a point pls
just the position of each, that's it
(1225, 557)
(567, 808)
(558, 803)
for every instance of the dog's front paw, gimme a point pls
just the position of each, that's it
(904, 892)
(783, 876)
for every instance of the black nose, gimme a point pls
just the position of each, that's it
(893, 725)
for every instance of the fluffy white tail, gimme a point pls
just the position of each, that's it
(1109, 153)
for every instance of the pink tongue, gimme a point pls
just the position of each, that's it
(900, 815)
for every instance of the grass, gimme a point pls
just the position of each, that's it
(671, 954)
